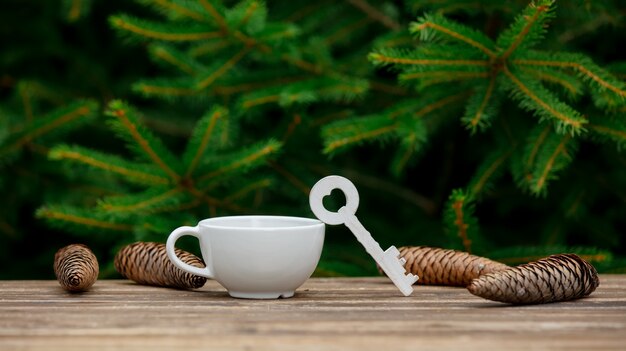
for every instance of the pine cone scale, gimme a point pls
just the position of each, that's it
(556, 278)
(76, 267)
(446, 267)
(147, 263)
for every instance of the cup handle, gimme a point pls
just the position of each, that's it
(171, 252)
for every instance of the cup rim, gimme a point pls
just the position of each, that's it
(304, 223)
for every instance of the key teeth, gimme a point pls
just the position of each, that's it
(402, 260)
(392, 250)
(412, 278)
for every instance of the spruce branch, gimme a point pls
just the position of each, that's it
(462, 225)
(75, 9)
(606, 128)
(141, 140)
(40, 91)
(221, 70)
(554, 155)
(216, 12)
(534, 97)
(139, 28)
(375, 14)
(277, 33)
(598, 78)
(344, 32)
(409, 146)
(212, 130)
(390, 123)
(291, 178)
(528, 28)
(170, 55)
(427, 78)
(231, 87)
(437, 101)
(56, 121)
(78, 220)
(249, 13)
(178, 207)
(132, 171)
(213, 47)
(432, 25)
(177, 9)
(535, 142)
(343, 134)
(166, 88)
(572, 86)
(489, 170)
(394, 57)
(481, 107)
(142, 203)
(239, 162)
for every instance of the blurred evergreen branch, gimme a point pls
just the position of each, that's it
(245, 104)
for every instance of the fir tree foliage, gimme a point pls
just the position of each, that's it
(453, 57)
(504, 114)
(30, 128)
(168, 185)
(237, 52)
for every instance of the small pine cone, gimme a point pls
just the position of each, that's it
(435, 266)
(147, 263)
(76, 267)
(552, 279)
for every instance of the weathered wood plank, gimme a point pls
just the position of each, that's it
(330, 314)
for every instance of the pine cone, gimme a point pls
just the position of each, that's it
(76, 267)
(435, 266)
(147, 263)
(552, 279)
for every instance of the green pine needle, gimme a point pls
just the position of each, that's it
(178, 10)
(528, 29)
(237, 163)
(57, 122)
(554, 155)
(211, 133)
(171, 56)
(81, 221)
(249, 15)
(483, 106)
(608, 91)
(341, 135)
(570, 85)
(488, 172)
(611, 128)
(462, 226)
(125, 122)
(143, 30)
(137, 173)
(147, 202)
(534, 97)
(431, 27)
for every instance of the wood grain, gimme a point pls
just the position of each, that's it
(328, 314)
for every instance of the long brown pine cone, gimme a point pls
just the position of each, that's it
(147, 263)
(76, 267)
(556, 278)
(435, 266)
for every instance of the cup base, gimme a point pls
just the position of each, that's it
(261, 296)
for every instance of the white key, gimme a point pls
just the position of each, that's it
(389, 260)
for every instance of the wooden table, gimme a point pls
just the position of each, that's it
(325, 314)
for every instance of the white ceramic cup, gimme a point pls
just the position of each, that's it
(255, 257)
